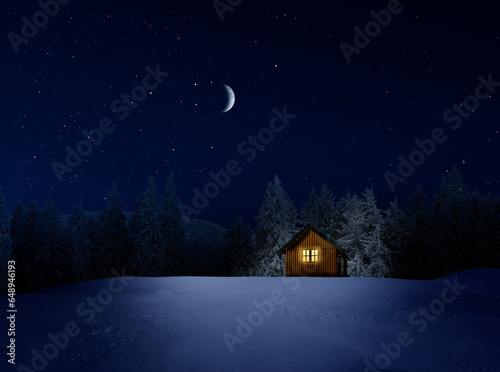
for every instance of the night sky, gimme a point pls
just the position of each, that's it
(352, 120)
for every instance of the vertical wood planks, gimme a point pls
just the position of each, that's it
(327, 257)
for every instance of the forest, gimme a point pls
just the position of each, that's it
(423, 238)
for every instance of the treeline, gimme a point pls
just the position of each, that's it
(421, 239)
(154, 240)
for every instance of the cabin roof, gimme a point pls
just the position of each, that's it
(303, 232)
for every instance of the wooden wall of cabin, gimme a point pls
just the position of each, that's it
(327, 258)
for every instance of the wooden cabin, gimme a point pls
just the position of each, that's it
(311, 253)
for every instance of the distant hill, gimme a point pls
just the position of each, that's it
(205, 242)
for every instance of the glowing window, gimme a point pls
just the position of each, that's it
(314, 255)
(310, 255)
(305, 256)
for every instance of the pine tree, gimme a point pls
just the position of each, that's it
(319, 211)
(150, 247)
(275, 223)
(326, 211)
(372, 212)
(375, 256)
(133, 224)
(494, 259)
(23, 230)
(6, 245)
(50, 257)
(395, 235)
(113, 233)
(17, 224)
(379, 256)
(81, 245)
(451, 225)
(414, 256)
(338, 216)
(173, 230)
(238, 248)
(486, 252)
(134, 230)
(354, 236)
(244, 257)
(94, 236)
(309, 211)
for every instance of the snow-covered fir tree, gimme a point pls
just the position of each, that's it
(275, 223)
(50, 242)
(372, 212)
(149, 255)
(113, 234)
(319, 211)
(378, 255)
(338, 216)
(81, 245)
(460, 230)
(354, 236)
(326, 211)
(309, 211)
(173, 230)
(394, 234)
(6, 245)
(133, 223)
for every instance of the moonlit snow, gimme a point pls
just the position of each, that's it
(269, 324)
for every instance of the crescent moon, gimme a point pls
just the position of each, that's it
(231, 99)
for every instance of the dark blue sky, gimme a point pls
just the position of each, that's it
(353, 119)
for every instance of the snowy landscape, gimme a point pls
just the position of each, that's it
(250, 186)
(190, 295)
(264, 324)
(422, 238)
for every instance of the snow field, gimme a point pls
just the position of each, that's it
(305, 324)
